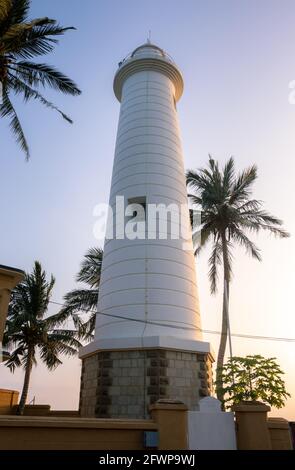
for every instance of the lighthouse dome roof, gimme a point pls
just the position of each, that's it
(148, 56)
(149, 50)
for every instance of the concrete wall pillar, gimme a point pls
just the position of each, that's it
(252, 427)
(171, 418)
(280, 434)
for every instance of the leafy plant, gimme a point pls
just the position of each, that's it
(252, 378)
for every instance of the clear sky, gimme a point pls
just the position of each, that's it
(237, 58)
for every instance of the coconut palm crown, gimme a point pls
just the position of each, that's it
(228, 216)
(30, 333)
(22, 40)
(84, 300)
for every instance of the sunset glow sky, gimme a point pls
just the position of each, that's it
(238, 59)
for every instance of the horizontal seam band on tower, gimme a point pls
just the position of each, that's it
(147, 82)
(150, 184)
(173, 123)
(155, 323)
(114, 214)
(151, 242)
(170, 108)
(124, 114)
(118, 152)
(147, 126)
(150, 273)
(164, 197)
(146, 135)
(154, 319)
(105, 268)
(149, 153)
(168, 95)
(164, 289)
(120, 235)
(147, 245)
(146, 100)
(144, 162)
(141, 320)
(121, 227)
(126, 93)
(158, 112)
(147, 97)
(183, 219)
(123, 123)
(147, 173)
(148, 92)
(154, 184)
(155, 304)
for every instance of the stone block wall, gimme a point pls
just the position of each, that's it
(123, 384)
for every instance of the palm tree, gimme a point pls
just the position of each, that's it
(21, 40)
(29, 330)
(84, 299)
(228, 216)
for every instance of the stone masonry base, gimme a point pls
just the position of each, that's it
(123, 384)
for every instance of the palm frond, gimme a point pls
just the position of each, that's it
(14, 359)
(249, 206)
(86, 328)
(40, 290)
(78, 301)
(195, 199)
(202, 238)
(48, 355)
(256, 227)
(91, 267)
(32, 40)
(228, 175)
(7, 110)
(69, 337)
(244, 241)
(83, 300)
(196, 180)
(215, 261)
(19, 87)
(42, 74)
(242, 186)
(257, 220)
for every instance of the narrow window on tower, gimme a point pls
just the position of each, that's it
(135, 216)
(137, 208)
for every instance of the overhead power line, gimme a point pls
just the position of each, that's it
(214, 332)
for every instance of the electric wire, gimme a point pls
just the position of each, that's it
(214, 332)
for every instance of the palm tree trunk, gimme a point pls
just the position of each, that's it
(225, 317)
(28, 370)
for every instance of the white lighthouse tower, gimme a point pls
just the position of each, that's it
(148, 342)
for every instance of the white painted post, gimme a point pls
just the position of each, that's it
(210, 428)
